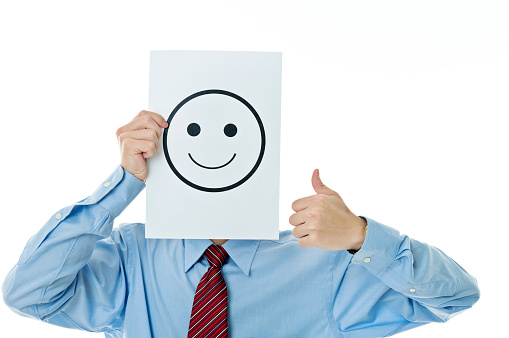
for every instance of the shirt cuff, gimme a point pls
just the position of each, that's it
(116, 192)
(380, 247)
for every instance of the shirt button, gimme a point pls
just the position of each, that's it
(58, 216)
(107, 184)
(412, 290)
(367, 260)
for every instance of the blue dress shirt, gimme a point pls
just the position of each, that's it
(77, 272)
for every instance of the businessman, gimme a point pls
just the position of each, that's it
(335, 275)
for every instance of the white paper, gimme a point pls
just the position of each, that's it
(216, 173)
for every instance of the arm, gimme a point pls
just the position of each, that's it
(396, 283)
(392, 283)
(70, 273)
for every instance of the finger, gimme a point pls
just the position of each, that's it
(298, 218)
(134, 147)
(318, 185)
(155, 116)
(302, 203)
(305, 242)
(142, 134)
(300, 231)
(142, 122)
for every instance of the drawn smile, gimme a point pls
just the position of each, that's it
(224, 165)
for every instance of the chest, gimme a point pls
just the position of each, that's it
(288, 297)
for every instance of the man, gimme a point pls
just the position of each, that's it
(339, 275)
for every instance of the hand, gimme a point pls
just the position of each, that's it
(324, 221)
(139, 140)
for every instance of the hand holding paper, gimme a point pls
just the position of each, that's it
(324, 221)
(139, 140)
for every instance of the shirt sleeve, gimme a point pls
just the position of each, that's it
(71, 272)
(395, 283)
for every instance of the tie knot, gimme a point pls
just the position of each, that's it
(216, 255)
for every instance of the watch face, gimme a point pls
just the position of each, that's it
(214, 141)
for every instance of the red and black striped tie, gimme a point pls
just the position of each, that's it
(209, 317)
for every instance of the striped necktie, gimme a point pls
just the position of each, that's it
(209, 317)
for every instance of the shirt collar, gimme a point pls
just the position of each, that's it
(241, 251)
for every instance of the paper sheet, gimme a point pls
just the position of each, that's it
(216, 173)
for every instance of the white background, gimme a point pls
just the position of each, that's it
(401, 104)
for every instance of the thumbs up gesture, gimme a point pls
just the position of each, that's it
(324, 221)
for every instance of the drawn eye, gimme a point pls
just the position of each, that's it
(230, 130)
(193, 129)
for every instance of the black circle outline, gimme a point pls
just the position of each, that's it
(221, 92)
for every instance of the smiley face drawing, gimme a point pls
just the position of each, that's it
(214, 141)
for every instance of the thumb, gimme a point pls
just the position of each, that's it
(318, 185)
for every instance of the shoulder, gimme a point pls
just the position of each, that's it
(128, 234)
(285, 237)
(133, 235)
(286, 244)
(131, 243)
(287, 251)
(130, 229)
